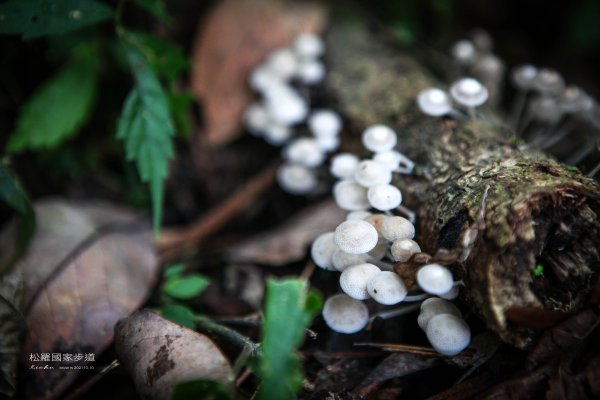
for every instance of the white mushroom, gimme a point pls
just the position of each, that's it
(324, 123)
(342, 260)
(448, 334)
(350, 196)
(370, 173)
(549, 82)
(262, 79)
(378, 252)
(435, 279)
(395, 161)
(308, 45)
(378, 138)
(435, 306)
(434, 102)
(296, 179)
(256, 119)
(311, 72)
(356, 236)
(469, 92)
(402, 250)
(384, 197)
(397, 228)
(322, 250)
(276, 134)
(377, 221)
(523, 76)
(304, 151)
(452, 294)
(344, 314)
(343, 165)
(360, 214)
(328, 143)
(354, 279)
(386, 287)
(283, 63)
(464, 52)
(285, 105)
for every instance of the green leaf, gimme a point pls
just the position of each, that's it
(35, 18)
(180, 315)
(146, 127)
(202, 389)
(59, 108)
(174, 270)
(185, 287)
(154, 7)
(15, 197)
(289, 310)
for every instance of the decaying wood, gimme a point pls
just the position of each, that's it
(537, 211)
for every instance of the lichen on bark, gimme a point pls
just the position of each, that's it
(536, 211)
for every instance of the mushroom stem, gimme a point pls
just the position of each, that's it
(408, 213)
(518, 107)
(417, 297)
(396, 312)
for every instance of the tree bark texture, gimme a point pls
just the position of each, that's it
(536, 211)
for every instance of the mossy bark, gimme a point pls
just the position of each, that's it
(537, 211)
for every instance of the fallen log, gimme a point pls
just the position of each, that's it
(534, 211)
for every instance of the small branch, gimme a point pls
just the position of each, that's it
(233, 336)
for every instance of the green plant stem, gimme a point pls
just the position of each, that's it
(233, 336)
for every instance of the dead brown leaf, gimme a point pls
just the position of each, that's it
(87, 266)
(288, 242)
(159, 354)
(235, 37)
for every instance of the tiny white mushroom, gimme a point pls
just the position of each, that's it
(324, 123)
(256, 119)
(549, 82)
(395, 161)
(328, 143)
(469, 92)
(360, 214)
(378, 138)
(342, 260)
(378, 252)
(311, 72)
(435, 306)
(322, 250)
(448, 334)
(304, 151)
(262, 79)
(356, 236)
(308, 45)
(283, 63)
(434, 102)
(377, 221)
(452, 294)
(350, 196)
(384, 197)
(402, 250)
(343, 165)
(386, 287)
(354, 279)
(435, 279)
(276, 134)
(464, 52)
(370, 173)
(285, 105)
(397, 228)
(344, 314)
(296, 179)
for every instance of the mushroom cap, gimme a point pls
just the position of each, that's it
(256, 119)
(356, 236)
(397, 228)
(276, 134)
(402, 250)
(360, 214)
(379, 251)
(296, 179)
(262, 79)
(386, 287)
(324, 123)
(328, 143)
(469, 92)
(448, 334)
(482, 40)
(523, 76)
(395, 161)
(350, 196)
(311, 72)
(378, 138)
(377, 221)
(435, 306)
(573, 99)
(489, 67)
(283, 63)
(285, 105)
(370, 173)
(354, 279)
(304, 151)
(434, 102)
(435, 279)
(343, 314)
(549, 81)
(384, 197)
(343, 165)
(308, 45)
(464, 51)
(452, 294)
(342, 260)
(322, 250)
(545, 109)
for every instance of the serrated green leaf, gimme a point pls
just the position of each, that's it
(154, 7)
(59, 108)
(185, 287)
(202, 389)
(180, 315)
(12, 193)
(289, 310)
(146, 127)
(35, 18)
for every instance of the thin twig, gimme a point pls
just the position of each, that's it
(233, 336)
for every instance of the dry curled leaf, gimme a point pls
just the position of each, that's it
(235, 37)
(158, 354)
(87, 266)
(288, 242)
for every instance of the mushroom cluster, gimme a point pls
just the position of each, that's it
(466, 93)
(442, 322)
(283, 81)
